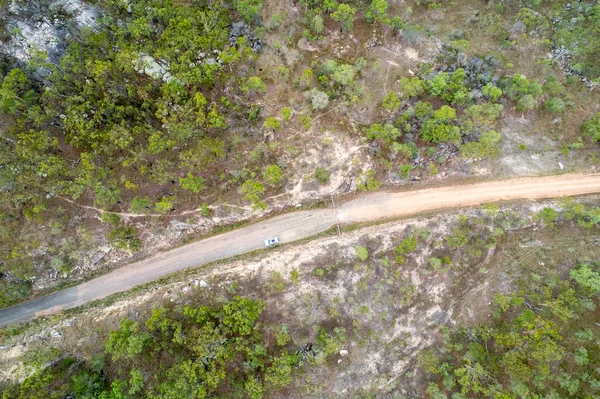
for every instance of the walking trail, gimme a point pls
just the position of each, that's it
(297, 225)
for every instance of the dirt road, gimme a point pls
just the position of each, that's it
(297, 225)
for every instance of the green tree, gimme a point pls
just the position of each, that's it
(322, 175)
(165, 204)
(413, 87)
(252, 191)
(391, 102)
(361, 252)
(273, 175)
(126, 342)
(192, 183)
(555, 105)
(140, 205)
(345, 16)
(255, 84)
(344, 74)
(249, 9)
(387, 133)
(591, 127)
(377, 12)
(491, 92)
(286, 113)
(272, 123)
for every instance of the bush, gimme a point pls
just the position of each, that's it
(361, 252)
(391, 102)
(555, 105)
(192, 183)
(322, 175)
(125, 237)
(252, 191)
(256, 84)
(591, 128)
(367, 181)
(547, 216)
(273, 175)
(140, 205)
(165, 205)
(319, 100)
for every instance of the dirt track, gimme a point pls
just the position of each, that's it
(297, 225)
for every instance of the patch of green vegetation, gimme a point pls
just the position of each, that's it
(540, 343)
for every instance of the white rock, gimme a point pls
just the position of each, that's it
(203, 284)
(343, 352)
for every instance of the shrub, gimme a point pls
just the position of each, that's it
(140, 205)
(164, 205)
(273, 175)
(322, 175)
(252, 191)
(272, 123)
(547, 216)
(192, 183)
(319, 100)
(367, 181)
(256, 84)
(391, 102)
(591, 127)
(555, 105)
(361, 252)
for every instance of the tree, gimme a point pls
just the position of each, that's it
(272, 123)
(485, 147)
(591, 127)
(15, 92)
(322, 175)
(437, 84)
(526, 102)
(413, 87)
(491, 92)
(249, 9)
(165, 204)
(255, 84)
(555, 105)
(345, 16)
(396, 23)
(387, 133)
(377, 11)
(391, 102)
(319, 99)
(273, 175)
(192, 183)
(127, 341)
(361, 252)
(344, 74)
(140, 205)
(252, 191)
(286, 113)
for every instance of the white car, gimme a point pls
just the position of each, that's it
(269, 242)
